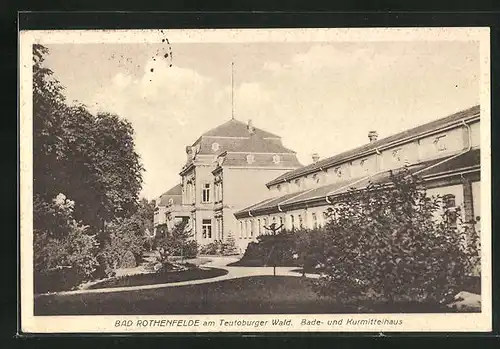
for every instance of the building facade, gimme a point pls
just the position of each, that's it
(226, 170)
(168, 205)
(445, 153)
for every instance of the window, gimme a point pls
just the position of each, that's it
(449, 201)
(259, 227)
(450, 211)
(440, 143)
(170, 201)
(218, 191)
(220, 233)
(250, 158)
(338, 171)
(314, 220)
(248, 229)
(251, 228)
(241, 229)
(276, 159)
(281, 221)
(206, 193)
(396, 154)
(292, 221)
(278, 187)
(316, 178)
(206, 228)
(298, 183)
(301, 222)
(215, 146)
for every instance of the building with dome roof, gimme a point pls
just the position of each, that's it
(226, 170)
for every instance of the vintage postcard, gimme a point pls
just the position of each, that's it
(255, 180)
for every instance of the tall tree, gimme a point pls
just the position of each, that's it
(90, 159)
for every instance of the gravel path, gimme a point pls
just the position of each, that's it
(216, 262)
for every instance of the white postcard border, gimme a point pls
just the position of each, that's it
(106, 324)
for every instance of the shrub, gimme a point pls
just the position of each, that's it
(309, 249)
(271, 250)
(65, 255)
(212, 248)
(175, 242)
(190, 249)
(125, 241)
(394, 243)
(128, 260)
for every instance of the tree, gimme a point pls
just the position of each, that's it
(175, 242)
(392, 242)
(90, 159)
(309, 249)
(64, 252)
(125, 236)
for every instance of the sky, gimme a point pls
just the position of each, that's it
(319, 97)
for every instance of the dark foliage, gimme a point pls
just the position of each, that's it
(393, 242)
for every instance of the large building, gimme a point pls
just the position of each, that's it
(445, 153)
(226, 170)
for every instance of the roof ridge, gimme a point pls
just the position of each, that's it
(374, 145)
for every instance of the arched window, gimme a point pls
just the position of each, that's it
(276, 159)
(298, 183)
(250, 158)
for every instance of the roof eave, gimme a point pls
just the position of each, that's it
(471, 118)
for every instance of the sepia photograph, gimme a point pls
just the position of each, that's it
(255, 180)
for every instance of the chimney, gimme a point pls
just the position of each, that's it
(250, 127)
(315, 157)
(373, 136)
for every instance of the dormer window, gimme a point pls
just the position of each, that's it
(316, 178)
(250, 158)
(338, 171)
(276, 159)
(439, 143)
(298, 183)
(396, 154)
(215, 146)
(278, 187)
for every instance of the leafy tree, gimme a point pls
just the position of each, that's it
(309, 249)
(393, 242)
(91, 159)
(126, 235)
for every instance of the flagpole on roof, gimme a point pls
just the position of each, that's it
(232, 90)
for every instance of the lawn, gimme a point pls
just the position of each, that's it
(160, 278)
(252, 295)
